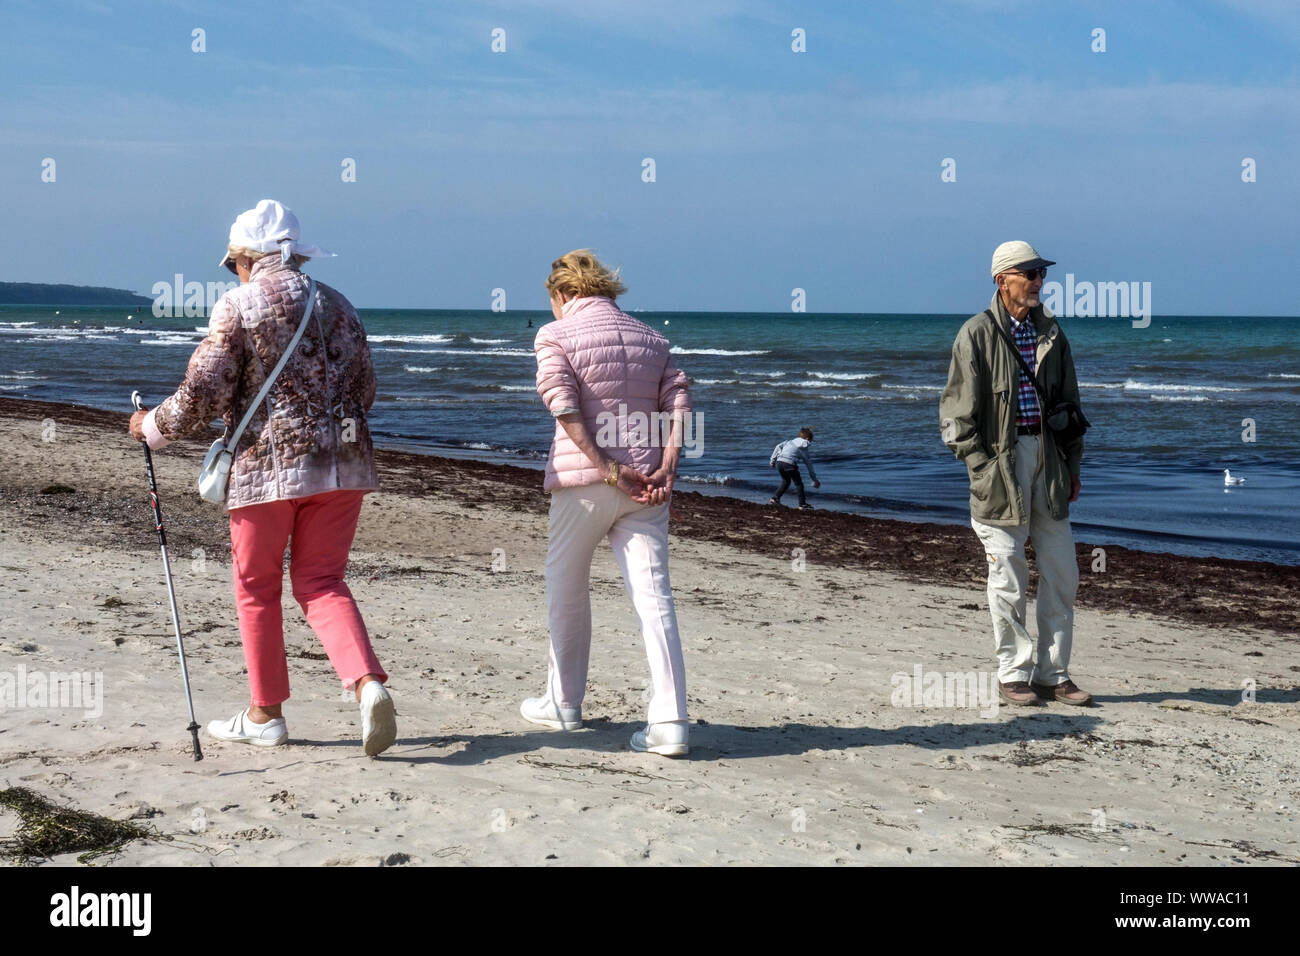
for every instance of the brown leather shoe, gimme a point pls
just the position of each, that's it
(1018, 692)
(1066, 692)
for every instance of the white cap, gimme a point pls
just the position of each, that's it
(269, 226)
(1016, 256)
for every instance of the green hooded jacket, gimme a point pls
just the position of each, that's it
(977, 414)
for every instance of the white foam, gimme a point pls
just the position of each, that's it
(845, 376)
(678, 350)
(488, 341)
(1178, 398)
(710, 479)
(915, 388)
(528, 352)
(1161, 387)
(846, 396)
(415, 339)
(57, 330)
(877, 397)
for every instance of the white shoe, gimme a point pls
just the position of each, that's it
(239, 729)
(542, 710)
(378, 719)
(670, 739)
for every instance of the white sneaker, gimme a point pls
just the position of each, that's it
(542, 710)
(378, 719)
(239, 729)
(670, 739)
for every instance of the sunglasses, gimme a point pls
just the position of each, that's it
(1032, 274)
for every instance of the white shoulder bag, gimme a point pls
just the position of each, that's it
(214, 478)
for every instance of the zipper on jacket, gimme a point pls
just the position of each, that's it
(1010, 410)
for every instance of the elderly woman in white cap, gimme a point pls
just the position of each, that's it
(301, 467)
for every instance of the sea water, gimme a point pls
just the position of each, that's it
(1172, 405)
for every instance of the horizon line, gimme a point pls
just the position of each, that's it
(634, 312)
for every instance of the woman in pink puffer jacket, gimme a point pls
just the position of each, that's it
(621, 406)
(300, 470)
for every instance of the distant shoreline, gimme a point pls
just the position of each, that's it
(61, 294)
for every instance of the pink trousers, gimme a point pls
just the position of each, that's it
(321, 528)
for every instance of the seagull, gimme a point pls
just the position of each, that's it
(1230, 481)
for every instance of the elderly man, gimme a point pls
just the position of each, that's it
(1022, 477)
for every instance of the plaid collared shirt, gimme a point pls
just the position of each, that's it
(1027, 341)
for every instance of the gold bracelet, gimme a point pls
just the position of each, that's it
(612, 480)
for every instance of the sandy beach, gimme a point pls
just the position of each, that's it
(812, 641)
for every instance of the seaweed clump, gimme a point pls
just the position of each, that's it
(46, 829)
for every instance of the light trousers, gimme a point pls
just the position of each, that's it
(579, 519)
(1008, 583)
(321, 527)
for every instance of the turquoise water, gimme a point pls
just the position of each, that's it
(1167, 403)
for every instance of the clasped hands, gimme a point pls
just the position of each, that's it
(651, 489)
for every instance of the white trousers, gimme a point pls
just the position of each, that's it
(580, 518)
(1058, 581)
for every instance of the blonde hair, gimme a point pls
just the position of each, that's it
(579, 274)
(236, 251)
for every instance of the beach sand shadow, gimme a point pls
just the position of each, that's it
(711, 741)
(1204, 695)
(727, 741)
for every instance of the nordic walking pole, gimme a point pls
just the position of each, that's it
(193, 728)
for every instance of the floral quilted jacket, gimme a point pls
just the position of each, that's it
(310, 435)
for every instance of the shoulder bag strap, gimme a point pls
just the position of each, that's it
(284, 360)
(1015, 350)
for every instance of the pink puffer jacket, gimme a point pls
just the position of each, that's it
(316, 437)
(618, 373)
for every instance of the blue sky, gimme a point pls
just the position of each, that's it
(774, 169)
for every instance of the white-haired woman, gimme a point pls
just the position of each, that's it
(300, 469)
